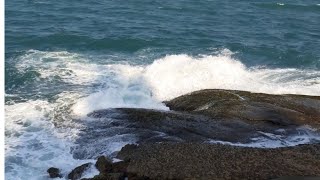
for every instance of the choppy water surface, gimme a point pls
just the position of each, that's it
(65, 59)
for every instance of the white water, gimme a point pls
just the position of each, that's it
(124, 85)
(176, 75)
(33, 143)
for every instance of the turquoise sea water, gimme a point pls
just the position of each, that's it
(64, 59)
(273, 34)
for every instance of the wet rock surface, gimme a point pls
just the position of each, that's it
(78, 171)
(103, 164)
(178, 144)
(207, 116)
(110, 171)
(205, 161)
(54, 172)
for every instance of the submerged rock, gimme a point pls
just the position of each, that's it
(78, 171)
(54, 172)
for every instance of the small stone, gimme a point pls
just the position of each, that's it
(54, 172)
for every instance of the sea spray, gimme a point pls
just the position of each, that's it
(44, 131)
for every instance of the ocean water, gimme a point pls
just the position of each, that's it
(65, 59)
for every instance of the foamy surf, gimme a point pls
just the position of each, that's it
(113, 85)
(176, 75)
(146, 86)
(41, 133)
(32, 143)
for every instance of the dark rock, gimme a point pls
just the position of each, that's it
(108, 176)
(134, 176)
(103, 164)
(160, 126)
(115, 176)
(297, 178)
(78, 171)
(205, 161)
(109, 170)
(225, 115)
(125, 149)
(198, 118)
(279, 110)
(54, 172)
(120, 167)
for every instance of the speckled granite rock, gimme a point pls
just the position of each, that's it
(203, 161)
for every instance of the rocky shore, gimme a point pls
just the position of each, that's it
(182, 143)
(224, 115)
(206, 161)
(203, 161)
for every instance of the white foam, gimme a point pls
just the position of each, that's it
(176, 75)
(145, 86)
(33, 144)
(26, 116)
(10, 95)
(70, 67)
(129, 89)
